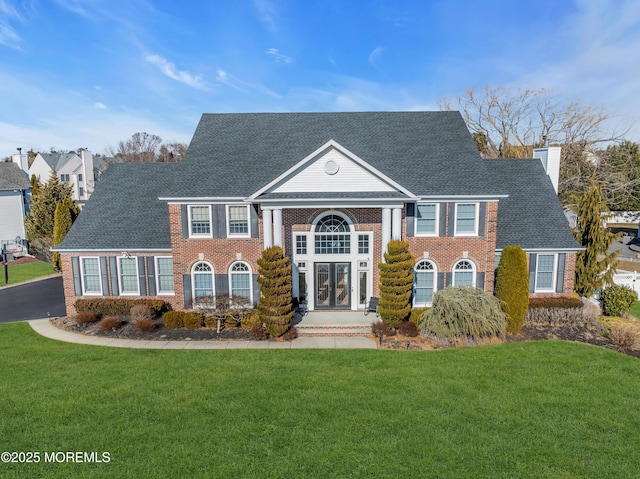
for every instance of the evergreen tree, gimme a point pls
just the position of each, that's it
(65, 214)
(39, 221)
(275, 306)
(396, 283)
(35, 186)
(512, 286)
(596, 265)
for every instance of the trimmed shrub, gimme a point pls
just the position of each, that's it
(625, 336)
(173, 319)
(396, 283)
(120, 306)
(230, 322)
(583, 316)
(275, 305)
(618, 300)
(512, 286)
(416, 314)
(211, 322)
(140, 312)
(250, 320)
(291, 334)
(86, 317)
(408, 329)
(145, 325)
(192, 320)
(259, 332)
(380, 328)
(464, 312)
(555, 302)
(110, 323)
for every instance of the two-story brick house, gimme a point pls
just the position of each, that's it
(332, 189)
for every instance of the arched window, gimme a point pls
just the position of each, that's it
(464, 273)
(240, 282)
(424, 283)
(203, 285)
(332, 235)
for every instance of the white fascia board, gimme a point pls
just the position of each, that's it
(488, 198)
(202, 199)
(332, 203)
(549, 250)
(352, 156)
(118, 250)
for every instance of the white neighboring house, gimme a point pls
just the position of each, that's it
(15, 192)
(75, 169)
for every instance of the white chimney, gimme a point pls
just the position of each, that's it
(550, 157)
(22, 161)
(87, 169)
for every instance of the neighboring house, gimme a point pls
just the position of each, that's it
(14, 203)
(77, 170)
(332, 189)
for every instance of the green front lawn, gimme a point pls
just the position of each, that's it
(635, 310)
(538, 409)
(26, 271)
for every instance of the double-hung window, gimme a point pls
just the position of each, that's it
(240, 280)
(200, 220)
(238, 220)
(164, 275)
(427, 219)
(424, 283)
(466, 219)
(464, 273)
(128, 275)
(90, 268)
(545, 272)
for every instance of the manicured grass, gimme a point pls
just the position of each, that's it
(539, 409)
(635, 310)
(26, 271)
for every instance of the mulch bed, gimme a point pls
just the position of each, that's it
(23, 260)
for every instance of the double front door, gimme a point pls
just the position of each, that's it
(333, 285)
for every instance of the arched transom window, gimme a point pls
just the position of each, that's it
(464, 273)
(240, 281)
(424, 283)
(332, 235)
(202, 278)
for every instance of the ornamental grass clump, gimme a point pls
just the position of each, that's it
(464, 312)
(625, 337)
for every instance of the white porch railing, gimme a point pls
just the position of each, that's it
(630, 279)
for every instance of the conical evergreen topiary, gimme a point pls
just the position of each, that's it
(396, 283)
(275, 306)
(512, 286)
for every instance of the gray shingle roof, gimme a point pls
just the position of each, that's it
(237, 154)
(531, 216)
(12, 177)
(56, 160)
(124, 211)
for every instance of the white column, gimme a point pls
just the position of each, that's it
(277, 227)
(267, 228)
(396, 224)
(386, 229)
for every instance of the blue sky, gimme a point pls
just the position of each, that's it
(88, 73)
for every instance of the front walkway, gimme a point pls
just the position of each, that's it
(46, 329)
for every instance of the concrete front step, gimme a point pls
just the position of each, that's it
(333, 330)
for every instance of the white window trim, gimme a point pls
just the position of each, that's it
(435, 282)
(475, 222)
(128, 293)
(552, 289)
(90, 293)
(250, 273)
(437, 232)
(158, 292)
(236, 235)
(193, 283)
(200, 235)
(473, 272)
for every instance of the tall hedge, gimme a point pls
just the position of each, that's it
(512, 286)
(275, 306)
(396, 283)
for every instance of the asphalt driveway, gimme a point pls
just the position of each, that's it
(36, 300)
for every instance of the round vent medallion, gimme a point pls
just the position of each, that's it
(331, 167)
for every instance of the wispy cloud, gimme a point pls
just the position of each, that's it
(9, 37)
(278, 57)
(233, 82)
(267, 13)
(76, 6)
(99, 106)
(374, 57)
(170, 70)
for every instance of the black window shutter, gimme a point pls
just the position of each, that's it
(219, 220)
(533, 257)
(77, 280)
(151, 276)
(451, 207)
(440, 281)
(448, 279)
(222, 284)
(186, 290)
(184, 215)
(480, 280)
(256, 289)
(103, 276)
(411, 218)
(113, 270)
(142, 280)
(255, 230)
(560, 276)
(482, 218)
(442, 230)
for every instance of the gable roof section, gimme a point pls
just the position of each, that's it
(124, 211)
(532, 215)
(57, 160)
(428, 153)
(12, 177)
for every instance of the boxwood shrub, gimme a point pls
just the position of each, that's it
(618, 300)
(173, 319)
(119, 306)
